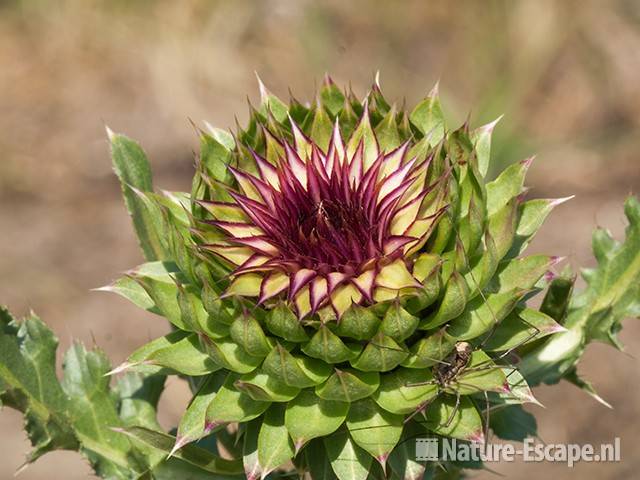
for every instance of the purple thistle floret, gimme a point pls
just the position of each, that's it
(328, 228)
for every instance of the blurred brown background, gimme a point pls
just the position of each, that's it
(565, 73)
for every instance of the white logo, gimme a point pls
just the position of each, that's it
(449, 449)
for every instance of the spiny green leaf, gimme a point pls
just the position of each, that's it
(270, 103)
(261, 386)
(573, 377)
(247, 332)
(327, 346)
(282, 321)
(316, 461)
(507, 186)
(29, 383)
(193, 311)
(358, 322)
(452, 304)
(275, 448)
(523, 272)
(216, 156)
(519, 328)
(94, 413)
(518, 392)
(321, 128)
(252, 467)
(531, 215)
(193, 422)
(402, 459)
(133, 170)
(481, 138)
(230, 355)
(173, 468)
(363, 135)
(481, 374)
(482, 313)
(138, 395)
(147, 349)
(511, 422)
(428, 118)
(374, 429)
(231, 405)
(387, 132)
(405, 389)
(183, 354)
(76, 414)
(430, 350)
(462, 421)
(308, 417)
(190, 453)
(398, 323)
(381, 354)
(612, 294)
(501, 227)
(348, 460)
(130, 289)
(296, 371)
(331, 97)
(348, 385)
(165, 297)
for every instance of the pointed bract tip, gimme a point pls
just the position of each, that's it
(180, 442)
(298, 445)
(526, 163)
(209, 426)
(224, 295)
(435, 91)
(382, 460)
(252, 475)
(327, 80)
(491, 125)
(265, 473)
(376, 79)
(602, 401)
(529, 398)
(261, 86)
(293, 124)
(106, 288)
(365, 106)
(120, 368)
(557, 328)
(558, 201)
(209, 127)
(555, 260)
(23, 467)
(110, 133)
(135, 190)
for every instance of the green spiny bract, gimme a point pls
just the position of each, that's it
(340, 280)
(328, 261)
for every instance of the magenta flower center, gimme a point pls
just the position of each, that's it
(330, 227)
(334, 234)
